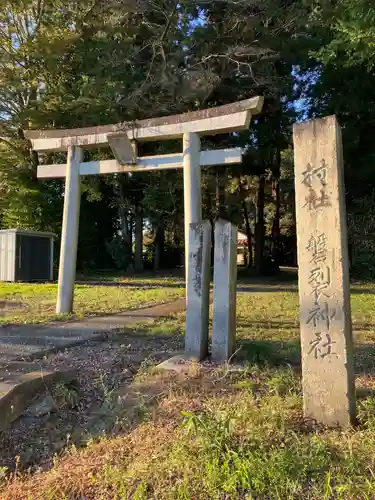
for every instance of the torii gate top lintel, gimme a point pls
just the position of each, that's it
(231, 117)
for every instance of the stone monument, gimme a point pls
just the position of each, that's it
(225, 281)
(324, 289)
(198, 291)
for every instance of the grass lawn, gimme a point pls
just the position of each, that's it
(36, 303)
(220, 433)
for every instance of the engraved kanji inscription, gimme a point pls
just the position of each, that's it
(319, 172)
(308, 175)
(315, 201)
(317, 246)
(321, 313)
(322, 346)
(319, 280)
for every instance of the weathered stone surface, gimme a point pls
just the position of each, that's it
(19, 386)
(225, 280)
(122, 148)
(254, 105)
(198, 290)
(42, 406)
(181, 363)
(326, 333)
(69, 233)
(192, 190)
(144, 163)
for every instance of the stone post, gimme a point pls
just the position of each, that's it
(324, 290)
(192, 188)
(225, 281)
(69, 234)
(198, 290)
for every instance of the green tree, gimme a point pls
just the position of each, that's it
(338, 78)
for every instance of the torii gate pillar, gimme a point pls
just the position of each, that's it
(69, 234)
(192, 188)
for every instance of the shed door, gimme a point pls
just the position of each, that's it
(33, 259)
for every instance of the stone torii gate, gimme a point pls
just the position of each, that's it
(122, 139)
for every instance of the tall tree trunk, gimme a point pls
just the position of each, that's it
(276, 196)
(221, 208)
(158, 246)
(212, 221)
(124, 214)
(259, 226)
(138, 240)
(177, 242)
(248, 234)
(218, 206)
(131, 229)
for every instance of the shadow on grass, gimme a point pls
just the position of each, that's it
(362, 291)
(274, 353)
(132, 284)
(267, 288)
(268, 325)
(278, 353)
(242, 286)
(293, 325)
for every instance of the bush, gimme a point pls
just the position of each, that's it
(361, 236)
(121, 252)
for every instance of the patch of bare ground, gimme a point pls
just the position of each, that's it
(145, 417)
(10, 306)
(86, 409)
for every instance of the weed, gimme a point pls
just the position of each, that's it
(65, 395)
(284, 381)
(3, 475)
(108, 392)
(216, 431)
(366, 413)
(146, 367)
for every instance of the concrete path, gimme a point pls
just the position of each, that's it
(21, 380)
(28, 342)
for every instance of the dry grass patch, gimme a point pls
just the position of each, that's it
(214, 434)
(95, 472)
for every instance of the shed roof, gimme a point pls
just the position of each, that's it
(29, 232)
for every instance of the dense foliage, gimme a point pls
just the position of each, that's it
(69, 64)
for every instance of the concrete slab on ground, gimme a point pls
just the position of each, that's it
(20, 383)
(181, 363)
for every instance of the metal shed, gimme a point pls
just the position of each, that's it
(26, 255)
